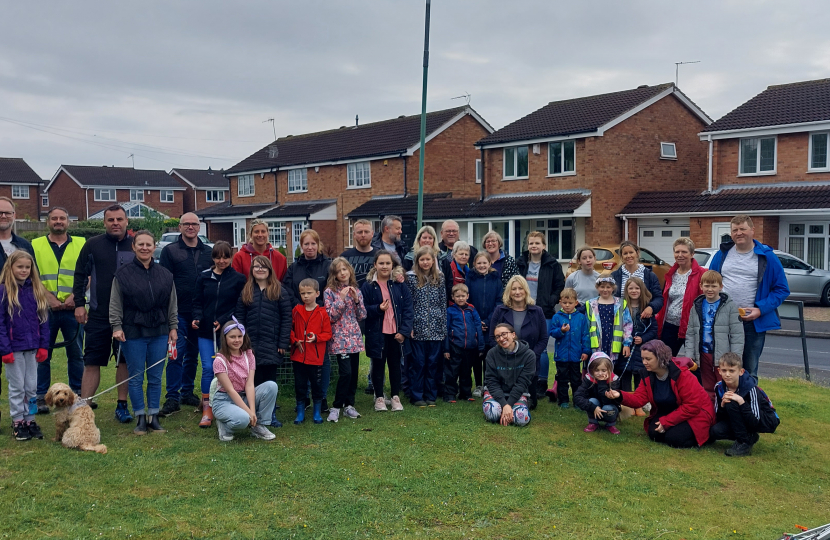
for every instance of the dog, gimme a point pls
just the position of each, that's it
(74, 420)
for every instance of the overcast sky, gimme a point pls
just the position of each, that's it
(189, 84)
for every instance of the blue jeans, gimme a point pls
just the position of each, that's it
(423, 370)
(142, 353)
(610, 417)
(181, 372)
(753, 347)
(543, 364)
(225, 410)
(63, 320)
(207, 351)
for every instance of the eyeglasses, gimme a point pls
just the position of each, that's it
(189, 225)
(259, 268)
(6, 214)
(501, 336)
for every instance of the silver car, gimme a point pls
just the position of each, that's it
(169, 238)
(806, 282)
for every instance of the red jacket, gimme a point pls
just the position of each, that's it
(318, 324)
(243, 258)
(692, 292)
(693, 403)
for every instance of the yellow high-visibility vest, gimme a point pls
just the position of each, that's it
(56, 278)
(593, 330)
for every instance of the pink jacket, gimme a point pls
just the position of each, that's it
(346, 335)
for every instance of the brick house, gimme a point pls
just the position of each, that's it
(21, 184)
(203, 188)
(767, 158)
(316, 180)
(85, 191)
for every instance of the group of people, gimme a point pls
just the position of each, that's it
(446, 321)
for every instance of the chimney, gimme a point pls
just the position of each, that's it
(355, 121)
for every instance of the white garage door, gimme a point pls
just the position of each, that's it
(659, 240)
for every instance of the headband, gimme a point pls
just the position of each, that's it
(236, 324)
(606, 279)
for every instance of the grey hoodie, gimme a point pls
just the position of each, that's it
(509, 375)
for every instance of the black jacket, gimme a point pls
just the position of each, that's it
(100, 257)
(303, 268)
(186, 263)
(20, 243)
(216, 298)
(400, 248)
(551, 281)
(508, 376)
(401, 301)
(145, 298)
(591, 388)
(268, 324)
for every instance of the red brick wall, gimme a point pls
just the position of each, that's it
(24, 208)
(220, 231)
(766, 229)
(450, 161)
(263, 190)
(327, 230)
(65, 192)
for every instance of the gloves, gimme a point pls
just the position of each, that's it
(41, 355)
(8, 358)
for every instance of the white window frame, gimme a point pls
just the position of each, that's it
(515, 150)
(298, 180)
(352, 177)
(243, 183)
(806, 236)
(297, 228)
(826, 167)
(167, 196)
(758, 171)
(44, 200)
(561, 159)
(479, 171)
(664, 154)
(218, 195)
(136, 195)
(20, 192)
(97, 194)
(276, 233)
(240, 233)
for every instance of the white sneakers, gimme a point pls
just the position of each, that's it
(262, 432)
(380, 404)
(350, 412)
(477, 392)
(225, 434)
(334, 415)
(396, 404)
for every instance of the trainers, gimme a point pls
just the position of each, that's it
(225, 434)
(122, 413)
(430, 403)
(449, 400)
(191, 400)
(261, 432)
(34, 430)
(612, 430)
(170, 406)
(739, 450)
(590, 428)
(42, 407)
(20, 430)
(350, 412)
(380, 404)
(477, 392)
(334, 415)
(420, 403)
(32, 406)
(564, 406)
(396, 404)
(471, 399)
(753, 438)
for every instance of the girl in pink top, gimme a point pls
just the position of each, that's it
(234, 369)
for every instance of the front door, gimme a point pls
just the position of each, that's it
(721, 232)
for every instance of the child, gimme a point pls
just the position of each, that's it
(583, 280)
(609, 323)
(591, 396)
(233, 390)
(264, 309)
(344, 304)
(24, 338)
(485, 289)
(637, 297)
(310, 330)
(742, 409)
(570, 330)
(463, 347)
(714, 330)
(429, 328)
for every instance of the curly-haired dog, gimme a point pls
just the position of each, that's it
(74, 420)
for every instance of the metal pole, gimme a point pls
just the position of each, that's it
(423, 124)
(804, 340)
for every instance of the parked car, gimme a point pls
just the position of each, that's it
(156, 254)
(806, 282)
(169, 238)
(608, 258)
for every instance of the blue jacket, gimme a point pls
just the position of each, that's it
(772, 283)
(534, 328)
(570, 345)
(464, 328)
(485, 294)
(401, 304)
(646, 329)
(23, 331)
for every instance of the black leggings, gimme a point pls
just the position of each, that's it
(347, 368)
(669, 336)
(265, 374)
(392, 356)
(679, 436)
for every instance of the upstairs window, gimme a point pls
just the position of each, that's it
(297, 180)
(561, 157)
(166, 195)
(20, 192)
(515, 162)
(818, 152)
(359, 175)
(44, 200)
(245, 185)
(757, 155)
(137, 195)
(215, 195)
(104, 194)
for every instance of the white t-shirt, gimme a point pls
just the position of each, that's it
(740, 277)
(533, 278)
(8, 247)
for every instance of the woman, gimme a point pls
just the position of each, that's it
(310, 264)
(426, 237)
(584, 280)
(528, 321)
(217, 290)
(508, 378)
(630, 255)
(504, 264)
(546, 280)
(144, 317)
(258, 245)
(681, 412)
(679, 293)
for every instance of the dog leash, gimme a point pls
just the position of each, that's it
(117, 356)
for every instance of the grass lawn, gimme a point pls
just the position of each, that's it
(423, 473)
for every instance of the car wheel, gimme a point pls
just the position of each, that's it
(825, 295)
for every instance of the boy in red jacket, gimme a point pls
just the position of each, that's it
(310, 330)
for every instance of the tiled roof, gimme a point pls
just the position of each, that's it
(204, 178)
(298, 209)
(735, 199)
(782, 104)
(226, 210)
(126, 177)
(367, 140)
(17, 171)
(571, 116)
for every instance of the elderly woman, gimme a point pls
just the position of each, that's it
(508, 378)
(426, 237)
(503, 264)
(681, 412)
(679, 293)
(630, 255)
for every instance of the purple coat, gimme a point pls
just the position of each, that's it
(23, 332)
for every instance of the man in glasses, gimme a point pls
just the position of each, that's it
(186, 258)
(508, 377)
(10, 241)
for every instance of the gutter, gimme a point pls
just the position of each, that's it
(86, 200)
(402, 156)
(481, 149)
(710, 164)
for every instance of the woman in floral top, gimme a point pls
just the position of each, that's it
(344, 304)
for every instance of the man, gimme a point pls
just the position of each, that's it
(755, 280)
(186, 258)
(56, 255)
(449, 236)
(362, 255)
(100, 257)
(10, 241)
(389, 237)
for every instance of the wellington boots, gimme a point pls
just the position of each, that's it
(141, 425)
(153, 424)
(318, 406)
(639, 412)
(541, 388)
(300, 412)
(207, 412)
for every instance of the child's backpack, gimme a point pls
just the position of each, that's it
(770, 422)
(214, 384)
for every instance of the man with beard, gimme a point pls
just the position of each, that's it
(389, 238)
(362, 255)
(10, 241)
(56, 255)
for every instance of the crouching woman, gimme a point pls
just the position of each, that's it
(508, 377)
